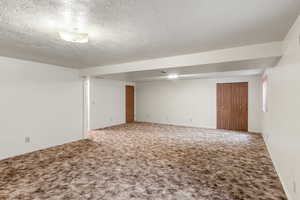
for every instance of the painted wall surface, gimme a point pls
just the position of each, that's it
(40, 101)
(281, 123)
(107, 102)
(192, 102)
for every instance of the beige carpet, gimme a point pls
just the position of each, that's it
(146, 161)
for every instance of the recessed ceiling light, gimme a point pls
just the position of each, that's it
(74, 36)
(173, 76)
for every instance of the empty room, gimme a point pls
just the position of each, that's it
(149, 100)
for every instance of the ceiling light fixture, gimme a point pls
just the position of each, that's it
(173, 76)
(74, 36)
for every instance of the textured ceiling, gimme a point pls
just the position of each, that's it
(129, 30)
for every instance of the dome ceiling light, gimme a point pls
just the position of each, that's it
(75, 21)
(74, 36)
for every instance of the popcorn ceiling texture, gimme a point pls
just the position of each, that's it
(146, 161)
(129, 30)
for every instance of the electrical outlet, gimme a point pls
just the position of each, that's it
(27, 139)
(191, 119)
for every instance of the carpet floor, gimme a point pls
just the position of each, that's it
(146, 161)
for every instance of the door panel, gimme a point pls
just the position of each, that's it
(232, 106)
(129, 104)
(224, 112)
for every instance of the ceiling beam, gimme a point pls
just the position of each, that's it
(273, 49)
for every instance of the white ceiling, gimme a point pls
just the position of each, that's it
(237, 68)
(129, 30)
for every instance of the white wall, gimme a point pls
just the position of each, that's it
(281, 126)
(40, 101)
(250, 52)
(192, 102)
(107, 102)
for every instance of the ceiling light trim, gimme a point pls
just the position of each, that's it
(74, 37)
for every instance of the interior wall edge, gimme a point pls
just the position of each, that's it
(281, 120)
(41, 106)
(276, 167)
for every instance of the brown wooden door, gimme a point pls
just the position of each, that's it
(224, 106)
(232, 106)
(129, 104)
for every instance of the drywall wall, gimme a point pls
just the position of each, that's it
(107, 102)
(281, 122)
(191, 102)
(40, 101)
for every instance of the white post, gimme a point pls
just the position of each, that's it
(86, 106)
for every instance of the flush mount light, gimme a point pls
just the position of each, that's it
(74, 36)
(173, 76)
